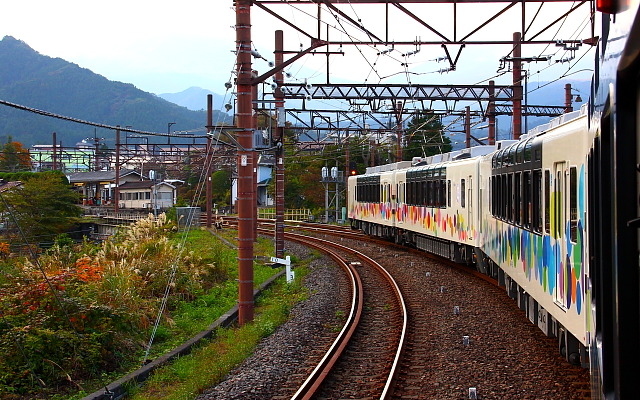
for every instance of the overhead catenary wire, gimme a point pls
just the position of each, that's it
(84, 122)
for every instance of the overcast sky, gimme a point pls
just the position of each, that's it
(165, 46)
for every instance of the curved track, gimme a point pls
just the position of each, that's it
(363, 360)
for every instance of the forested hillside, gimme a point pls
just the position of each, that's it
(55, 85)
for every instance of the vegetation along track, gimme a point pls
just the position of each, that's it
(363, 359)
(465, 334)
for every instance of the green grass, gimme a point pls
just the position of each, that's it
(190, 375)
(207, 365)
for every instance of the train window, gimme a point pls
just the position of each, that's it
(510, 216)
(527, 150)
(415, 194)
(495, 196)
(558, 204)
(410, 192)
(500, 205)
(449, 193)
(520, 152)
(527, 200)
(431, 187)
(462, 194)
(425, 194)
(547, 201)
(512, 155)
(496, 206)
(492, 195)
(537, 203)
(499, 158)
(538, 154)
(573, 203)
(505, 195)
(517, 198)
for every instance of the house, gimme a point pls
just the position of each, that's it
(147, 194)
(98, 187)
(266, 165)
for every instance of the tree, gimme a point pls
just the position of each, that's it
(424, 136)
(43, 207)
(14, 157)
(221, 187)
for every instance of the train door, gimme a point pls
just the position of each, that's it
(470, 221)
(400, 200)
(560, 203)
(393, 201)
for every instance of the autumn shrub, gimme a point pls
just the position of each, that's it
(84, 309)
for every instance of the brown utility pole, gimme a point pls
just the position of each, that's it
(244, 162)
(254, 184)
(467, 126)
(517, 86)
(398, 109)
(55, 153)
(116, 191)
(491, 111)
(279, 152)
(209, 150)
(347, 168)
(568, 107)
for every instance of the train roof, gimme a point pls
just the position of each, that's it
(478, 151)
(462, 154)
(557, 121)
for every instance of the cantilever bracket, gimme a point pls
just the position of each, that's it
(452, 62)
(216, 135)
(314, 45)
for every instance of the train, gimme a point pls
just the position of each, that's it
(553, 216)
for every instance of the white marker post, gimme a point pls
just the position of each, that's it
(287, 263)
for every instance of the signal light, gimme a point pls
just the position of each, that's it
(611, 6)
(352, 168)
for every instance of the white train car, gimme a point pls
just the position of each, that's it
(372, 200)
(534, 227)
(517, 210)
(437, 207)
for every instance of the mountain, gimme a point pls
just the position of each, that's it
(195, 98)
(31, 79)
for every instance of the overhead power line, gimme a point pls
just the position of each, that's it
(96, 124)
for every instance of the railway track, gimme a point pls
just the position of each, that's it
(487, 346)
(363, 359)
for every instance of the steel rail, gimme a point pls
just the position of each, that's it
(388, 387)
(317, 376)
